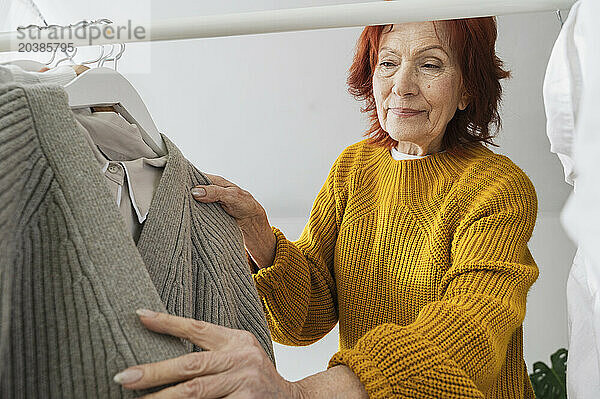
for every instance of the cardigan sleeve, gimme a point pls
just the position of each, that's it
(298, 290)
(60, 75)
(457, 345)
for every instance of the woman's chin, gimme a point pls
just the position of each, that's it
(404, 137)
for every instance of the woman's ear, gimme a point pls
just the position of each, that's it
(465, 99)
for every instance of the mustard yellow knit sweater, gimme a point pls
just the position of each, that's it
(424, 263)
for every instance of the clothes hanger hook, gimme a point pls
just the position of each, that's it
(97, 59)
(96, 22)
(68, 57)
(112, 49)
(53, 57)
(40, 28)
(117, 56)
(559, 18)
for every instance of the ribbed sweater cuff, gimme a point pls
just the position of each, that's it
(267, 278)
(391, 359)
(376, 383)
(386, 353)
(60, 75)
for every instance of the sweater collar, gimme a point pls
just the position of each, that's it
(168, 219)
(444, 164)
(413, 182)
(96, 215)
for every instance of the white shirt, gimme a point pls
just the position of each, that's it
(571, 100)
(399, 156)
(132, 170)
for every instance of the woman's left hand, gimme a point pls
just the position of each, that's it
(233, 365)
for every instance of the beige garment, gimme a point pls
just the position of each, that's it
(132, 170)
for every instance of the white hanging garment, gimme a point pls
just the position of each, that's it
(60, 75)
(571, 101)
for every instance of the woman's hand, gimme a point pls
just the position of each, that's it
(233, 365)
(248, 213)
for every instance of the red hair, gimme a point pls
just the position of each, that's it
(472, 41)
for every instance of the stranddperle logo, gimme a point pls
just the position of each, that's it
(80, 33)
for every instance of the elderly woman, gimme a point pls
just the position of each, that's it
(416, 243)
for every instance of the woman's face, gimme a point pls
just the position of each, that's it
(417, 85)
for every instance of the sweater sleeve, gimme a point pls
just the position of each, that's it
(298, 290)
(60, 75)
(457, 345)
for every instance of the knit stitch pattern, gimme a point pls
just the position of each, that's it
(75, 274)
(424, 263)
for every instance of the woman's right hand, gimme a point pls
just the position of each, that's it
(248, 213)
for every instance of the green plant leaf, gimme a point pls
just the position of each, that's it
(559, 364)
(550, 383)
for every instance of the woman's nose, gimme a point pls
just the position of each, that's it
(405, 82)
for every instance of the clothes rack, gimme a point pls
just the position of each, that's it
(308, 18)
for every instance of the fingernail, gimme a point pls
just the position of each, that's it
(128, 376)
(198, 192)
(146, 313)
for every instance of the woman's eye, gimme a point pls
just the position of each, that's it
(431, 66)
(386, 64)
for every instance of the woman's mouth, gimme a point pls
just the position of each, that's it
(405, 112)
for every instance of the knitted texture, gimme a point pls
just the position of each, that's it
(75, 273)
(425, 264)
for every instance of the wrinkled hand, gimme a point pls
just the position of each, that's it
(233, 365)
(236, 201)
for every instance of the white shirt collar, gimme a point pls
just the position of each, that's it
(399, 156)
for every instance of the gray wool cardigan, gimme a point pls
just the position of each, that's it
(71, 275)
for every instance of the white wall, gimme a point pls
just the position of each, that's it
(271, 113)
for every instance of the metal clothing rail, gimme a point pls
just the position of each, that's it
(296, 19)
